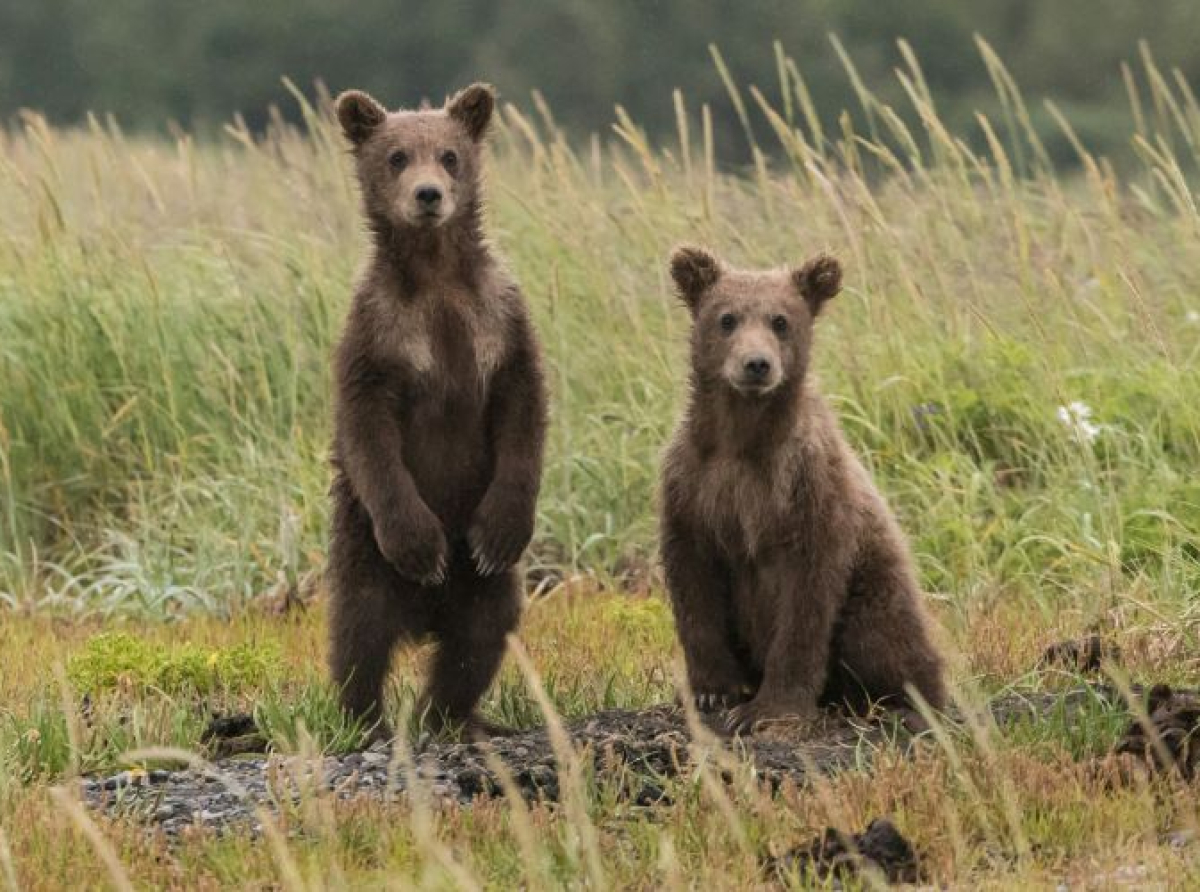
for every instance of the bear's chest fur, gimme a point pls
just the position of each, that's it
(448, 346)
(750, 495)
(748, 504)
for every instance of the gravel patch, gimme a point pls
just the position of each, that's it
(640, 750)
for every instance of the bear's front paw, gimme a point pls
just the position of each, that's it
(499, 533)
(415, 546)
(743, 718)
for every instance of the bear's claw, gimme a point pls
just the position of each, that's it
(487, 566)
(714, 700)
(415, 545)
(438, 576)
(498, 535)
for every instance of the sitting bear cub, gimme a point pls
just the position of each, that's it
(790, 581)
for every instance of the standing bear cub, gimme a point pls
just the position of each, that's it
(790, 581)
(440, 416)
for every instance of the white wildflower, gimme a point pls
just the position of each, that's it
(1192, 317)
(1077, 416)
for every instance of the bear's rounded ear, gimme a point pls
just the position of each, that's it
(818, 280)
(473, 109)
(694, 271)
(359, 115)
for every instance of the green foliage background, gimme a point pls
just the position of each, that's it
(167, 311)
(150, 61)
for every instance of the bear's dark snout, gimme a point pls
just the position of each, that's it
(429, 196)
(756, 369)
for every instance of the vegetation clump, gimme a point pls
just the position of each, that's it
(120, 661)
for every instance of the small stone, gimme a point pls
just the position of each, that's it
(123, 780)
(1180, 839)
(1130, 872)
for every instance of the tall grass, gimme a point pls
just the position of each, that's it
(167, 312)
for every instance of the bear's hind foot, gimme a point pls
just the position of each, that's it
(474, 728)
(379, 733)
(477, 729)
(742, 719)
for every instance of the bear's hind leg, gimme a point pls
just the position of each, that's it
(702, 604)
(471, 632)
(884, 639)
(371, 609)
(364, 633)
(797, 599)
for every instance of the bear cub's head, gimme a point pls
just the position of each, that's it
(418, 169)
(752, 330)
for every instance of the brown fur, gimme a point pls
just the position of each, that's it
(790, 580)
(439, 421)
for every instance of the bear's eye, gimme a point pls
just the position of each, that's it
(779, 325)
(398, 160)
(450, 160)
(728, 322)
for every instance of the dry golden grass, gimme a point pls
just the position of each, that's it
(1023, 806)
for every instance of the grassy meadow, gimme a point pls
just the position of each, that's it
(1016, 356)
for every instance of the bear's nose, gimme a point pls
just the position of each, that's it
(428, 195)
(757, 368)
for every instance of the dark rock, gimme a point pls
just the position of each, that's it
(1172, 740)
(239, 746)
(226, 727)
(538, 782)
(651, 794)
(475, 781)
(881, 847)
(1081, 654)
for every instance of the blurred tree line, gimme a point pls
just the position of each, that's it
(150, 61)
